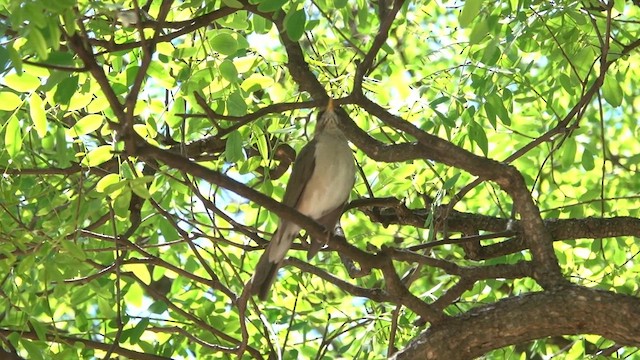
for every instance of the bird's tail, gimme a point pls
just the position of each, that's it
(264, 276)
(267, 269)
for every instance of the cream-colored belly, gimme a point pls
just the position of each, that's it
(332, 179)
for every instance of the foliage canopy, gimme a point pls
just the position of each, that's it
(145, 146)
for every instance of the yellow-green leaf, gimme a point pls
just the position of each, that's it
(13, 136)
(86, 125)
(141, 271)
(9, 101)
(256, 82)
(106, 181)
(22, 83)
(38, 114)
(244, 64)
(97, 156)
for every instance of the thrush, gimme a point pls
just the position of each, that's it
(319, 186)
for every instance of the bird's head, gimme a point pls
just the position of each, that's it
(327, 118)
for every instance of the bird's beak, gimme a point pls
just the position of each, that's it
(330, 105)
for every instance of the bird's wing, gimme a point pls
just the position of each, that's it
(302, 170)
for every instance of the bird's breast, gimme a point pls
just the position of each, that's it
(332, 178)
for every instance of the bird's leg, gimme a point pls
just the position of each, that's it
(315, 244)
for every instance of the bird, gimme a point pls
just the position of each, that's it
(321, 181)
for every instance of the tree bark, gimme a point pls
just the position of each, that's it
(567, 310)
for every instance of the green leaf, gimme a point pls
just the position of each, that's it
(97, 156)
(569, 148)
(233, 149)
(54, 34)
(61, 146)
(13, 136)
(34, 352)
(236, 105)
(73, 249)
(294, 24)
(22, 82)
(167, 230)
(491, 114)
(498, 107)
(479, 136)
(122, 201)
(339, 4)
(85, 125)
(38, 114)
(16, 59)
(39, 328)
(224, 43)
(140, 189)
(4, 58)
(233, 4)
(479, 32)
(245, 64)
(469, 12)
(271, 5)
(158, 307)
(587, 160)
(65, 90)
(619, 5)
(491, 53)
(450, 182)
(612, 91)
(113, 188)
(9, 101)
(158, 71)
(229, 71)
(442, 99)
(261, 25)
(37, 41)
(69, 22)
(261, 143)
(138, 330)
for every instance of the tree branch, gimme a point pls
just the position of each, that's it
(563, 311)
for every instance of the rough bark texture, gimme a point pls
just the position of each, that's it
(564, 311)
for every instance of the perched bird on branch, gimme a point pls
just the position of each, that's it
(321, 180)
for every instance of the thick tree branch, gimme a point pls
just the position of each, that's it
(392, 211)
(562, 311)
